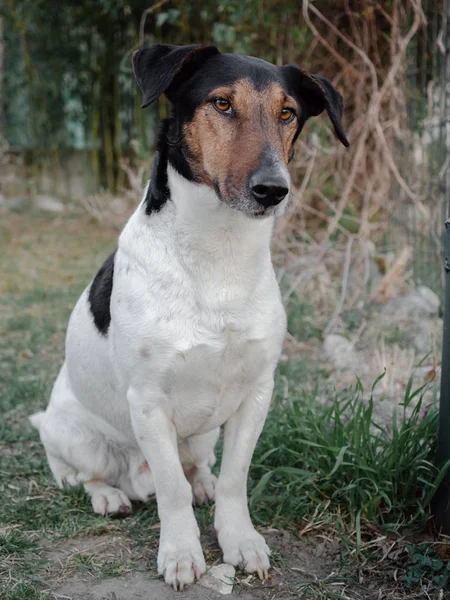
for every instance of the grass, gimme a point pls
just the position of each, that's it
(320, 468)
(19, 553)
(314, 454)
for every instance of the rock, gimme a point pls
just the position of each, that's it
(49, 203)
(427, 335)
(11, 203)
(219, 578)
(339, 350)
(421, 302)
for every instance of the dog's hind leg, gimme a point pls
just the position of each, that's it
(81, 448)
(105, 499)
(197, 457)
(63, 473)
(93, 466)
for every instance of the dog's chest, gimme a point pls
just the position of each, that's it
(211, 322)
(210, 379)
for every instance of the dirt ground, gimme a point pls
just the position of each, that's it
(300, 566)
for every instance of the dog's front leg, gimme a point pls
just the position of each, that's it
(240, 542)
(180, 556)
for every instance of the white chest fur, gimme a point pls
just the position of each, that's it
(196, 309)
(208, 382)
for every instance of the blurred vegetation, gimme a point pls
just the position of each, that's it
(68, 82)
(69, 106)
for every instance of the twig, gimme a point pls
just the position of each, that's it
(144, 15)
(363, 55)
(384, 289)
(340, 304)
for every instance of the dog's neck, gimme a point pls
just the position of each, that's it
(206, 228)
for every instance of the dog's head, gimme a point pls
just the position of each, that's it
(235, 119)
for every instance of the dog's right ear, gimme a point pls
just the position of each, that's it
(316, 94)
(156, 68)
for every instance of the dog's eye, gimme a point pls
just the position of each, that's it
(287, 114)
(222, 105)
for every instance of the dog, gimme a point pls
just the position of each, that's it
(181, 329)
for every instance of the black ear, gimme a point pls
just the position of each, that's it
(156, 68)
(316, 94)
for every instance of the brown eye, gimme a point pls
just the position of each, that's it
(287, 115)
(222, 105)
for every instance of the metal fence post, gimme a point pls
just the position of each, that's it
(442, 498)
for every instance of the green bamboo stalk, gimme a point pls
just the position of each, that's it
(94, 136)
(140, 121)
(109, 152)
(118, 135)
(55, 164)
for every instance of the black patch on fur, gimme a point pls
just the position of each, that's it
(172, 148)
(158, 190)
(100, 295)
(217, 189)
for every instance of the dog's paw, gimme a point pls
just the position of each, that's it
(180, 561)
(111, 502)
(203, 484)
(245, 548)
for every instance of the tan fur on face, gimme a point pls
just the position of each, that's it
(226, 149)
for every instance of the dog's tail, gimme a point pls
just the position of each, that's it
(36, 419)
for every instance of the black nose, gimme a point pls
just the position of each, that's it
(268, 191)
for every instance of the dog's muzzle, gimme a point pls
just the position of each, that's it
(269, 184)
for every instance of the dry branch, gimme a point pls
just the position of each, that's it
(393, 278)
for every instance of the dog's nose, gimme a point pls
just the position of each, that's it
(268, 191)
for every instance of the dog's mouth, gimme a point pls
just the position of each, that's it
(250, 208)
(245, 202)
(272, 211)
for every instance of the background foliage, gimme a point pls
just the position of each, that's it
(67, 78)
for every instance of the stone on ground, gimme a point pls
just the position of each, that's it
(219, 578)
(48, 203)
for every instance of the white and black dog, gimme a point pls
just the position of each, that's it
(180, 331)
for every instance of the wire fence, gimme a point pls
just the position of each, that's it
(417, 220)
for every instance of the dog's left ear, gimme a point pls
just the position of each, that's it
(157, 67)
(316, 94)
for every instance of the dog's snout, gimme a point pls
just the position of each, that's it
(267, 190)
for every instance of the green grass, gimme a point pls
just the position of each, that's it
(89, 563)
(320, 467)
(333, 454)
(20, 562)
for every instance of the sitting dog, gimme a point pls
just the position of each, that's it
(180, 331)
